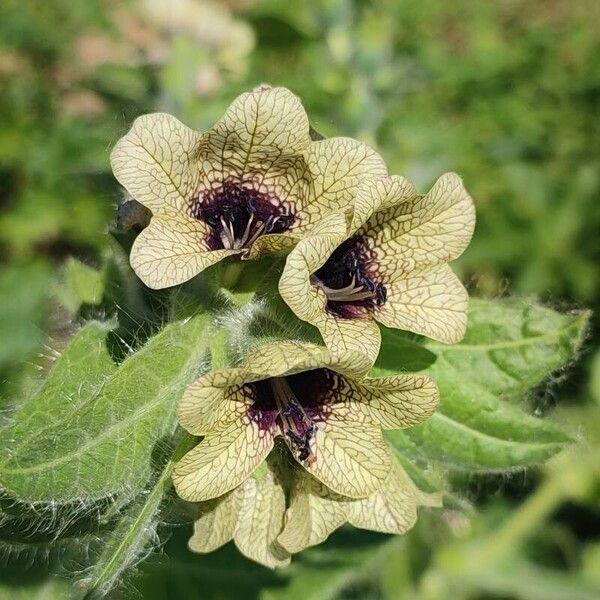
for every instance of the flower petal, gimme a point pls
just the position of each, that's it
(157, 162)
(213, 400)
(420, 231)
(286, 358)
(314, 513)
(260, 143)
(393, 508)
(309, 302)
(258, 129)
(431, 302)
(271, 243)
(352, 458)
(338, 165)
(171, 250)
(311, 253)
(397, 401)
(216, 525)
(251, 514)
(378, 195)
(260, 520)
(345, 337)
(221, 461)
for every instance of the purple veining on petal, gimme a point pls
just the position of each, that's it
(348, 278)
(238, 214)
(296, 404)
(263, 411)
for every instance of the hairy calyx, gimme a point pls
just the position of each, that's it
(239, 215)
(348, 281)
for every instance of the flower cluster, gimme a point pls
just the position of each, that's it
(292, 443)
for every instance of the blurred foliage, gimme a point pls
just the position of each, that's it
(505, 93)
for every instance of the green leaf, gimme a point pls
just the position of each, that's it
(49, 589)
(527, 581)
(23, 292)
(134, 534)
(402, 351)
(476, 437)
(79, 441)
(509, 346)
(512, 345)
(77, 374)
(82, 285)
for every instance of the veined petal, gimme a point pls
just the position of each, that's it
(351, 337)
(306, 300)
(420, 231)
(397, 401)
(286, 358)
(352, 459)
(216, 525)
(213, 400)
(221, 461)
(260, 520)
(251, 515)
(171, 250)
(156, 162)
(378, 195)
(258, 129)
(431, 302)
(271, 243)
(393, 508)
(314, 513)
(338, 165)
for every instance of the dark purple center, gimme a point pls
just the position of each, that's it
(348, 280)
(295, 403)
(239, 215)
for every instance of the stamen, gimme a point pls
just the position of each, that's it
(240, 243)
(347, 280)
(227, 235)
(238, 215)
(349, 293)
(257, 233)
(296, 425)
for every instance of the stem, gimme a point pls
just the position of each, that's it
(133, 531)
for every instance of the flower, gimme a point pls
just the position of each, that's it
(388, 265)
(251, 515)
(330, 421)
(315, 511)
(253, 184)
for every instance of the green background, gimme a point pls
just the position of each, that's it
(505, 93)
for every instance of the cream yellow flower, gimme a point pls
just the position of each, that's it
(330, 421)
(387, 265)
(254, 183)
(251, 515)
(315, 511)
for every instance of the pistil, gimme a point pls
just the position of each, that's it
(296, 425)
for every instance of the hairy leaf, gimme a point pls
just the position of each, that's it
(509, 346)
(49, 589)
(92, 429)
(512, 345)
(134, 533)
